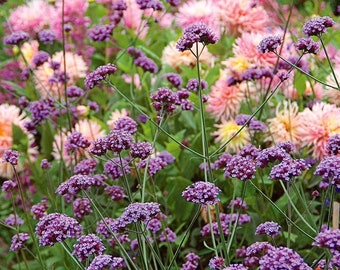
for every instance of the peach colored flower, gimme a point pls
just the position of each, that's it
(226, 130)
(246, 45)
(115, 115)
(314, 90)
(316, 125)
(132, 18)
(225, 101)
(238, 16)
(236, 66)
(174, 58)
(11, 115)
(203, 11)
(90, 129)
(283, 127)
(32, 17)
(28, 50)
(75, 67)
(332, 94)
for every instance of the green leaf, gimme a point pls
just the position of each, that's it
(20, 139)
(300, 83)
(47, 140)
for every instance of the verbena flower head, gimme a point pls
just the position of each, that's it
(139, 212)
(8, 185)
(330, 239)
(116, 192)
(240, 167)
(333, 145)
(269, 228)
(202, 193)
(116, 168)
(236, 267)
(47, 36)
(282, 258)
(269, 44)
(196, 33)
(18, 241)
(329, 170)
(253, 124)
(216, 263)
(118, 140)
(11, 156)
(175, 79)
(39, 210)
(146, 63)
(154, 4)
(191, 262)
(167, 235)
(55, 228)
(126, 123)
(16, 38)
(103, 261)
(81, 208)
(141, 150)
(192, 85)
(100, 33)
(317, 26)
(287, 169)
(74, 91)
(238, 203)
(13, 220)
(88, 245)
(94, 78)
(307, 45)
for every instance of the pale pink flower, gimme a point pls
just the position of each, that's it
(226, 130)
(333, 95)
(283, 127)
(11, 115)
(76, 68)
(314, 90)
(115, 115)
(32, 17)
(202, 11)
(238, 16)
(225, 101)
(316, 125)
(136, 80)
(174, 58)
(90, 129)
(246, 45)
(132, 18)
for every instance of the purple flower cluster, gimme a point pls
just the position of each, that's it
(47, 36)
(104, 261)
(118, 140)
(238, 203)
(116, 192)
(175, 79)
(86, 166)
(167, 235)
(191, 262)
(287, 169)
(222, 161)
(8, 185)
(333, 145)
(141, 150)
(154, 4)
(40, 110)
(81, 207)
(282, 258)
(329, 170)
(240, 167)
(13, 220)
(18, 241)
(76, 140)
(45, 164)
(154, 225)
(79, 182)
(127, 124)
(330, 239)
(269, 228)
(40, 58)
(193, 85)
(139, 212)
(55, 228)
(270, 155)
(74, 92)
(100, 33)
(165, 100)
(253, 124)
(269, 44)
(142, 61)
(88, 245)
(116, 168)
(16, 38)
(94, 78)
(235, 267)
(202, 193)
(39, 210)
(155, 164)
(196, 33)
(307, 45)
(108, 226)
(256, 74)
(11, 156)
(254, 252)
(216, 263)
(317, 26)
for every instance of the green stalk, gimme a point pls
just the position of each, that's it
(66, 248)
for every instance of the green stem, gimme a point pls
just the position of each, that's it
(72, 257)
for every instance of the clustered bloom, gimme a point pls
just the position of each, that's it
(191, 261)
(141, 150)
(141, 60)
(55, 228)
(16, 38)
(330, 239)
(193, 85)
(18, 241)
(11, 156)
(269, 44)
(13, 220)
(216, 263)
(194, 34)
(317, 26)
(307, 45)
(329, 170)
(116, 192)
(202, 193)
(76, 140)
(94, 78)
(88, 245)
(47, 36)
(167, 235)
(86, 166)
(240, 167)
(175, 79)
(253, 123)
(39, 210)
(269, 228)
(81, 207)
(100, 32)
(103, 261)
(116, 168)
(333, 145)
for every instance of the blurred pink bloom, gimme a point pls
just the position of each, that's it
(11, 115)
(174, 58)
(136, 80)
(314, 90)
(132, 18)
(333, 95)
(316, 125)
(204, 11)
(90, 129)
(75, 68)
(239, 16)
(32, 17)
(283, 127)
(224, 101)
